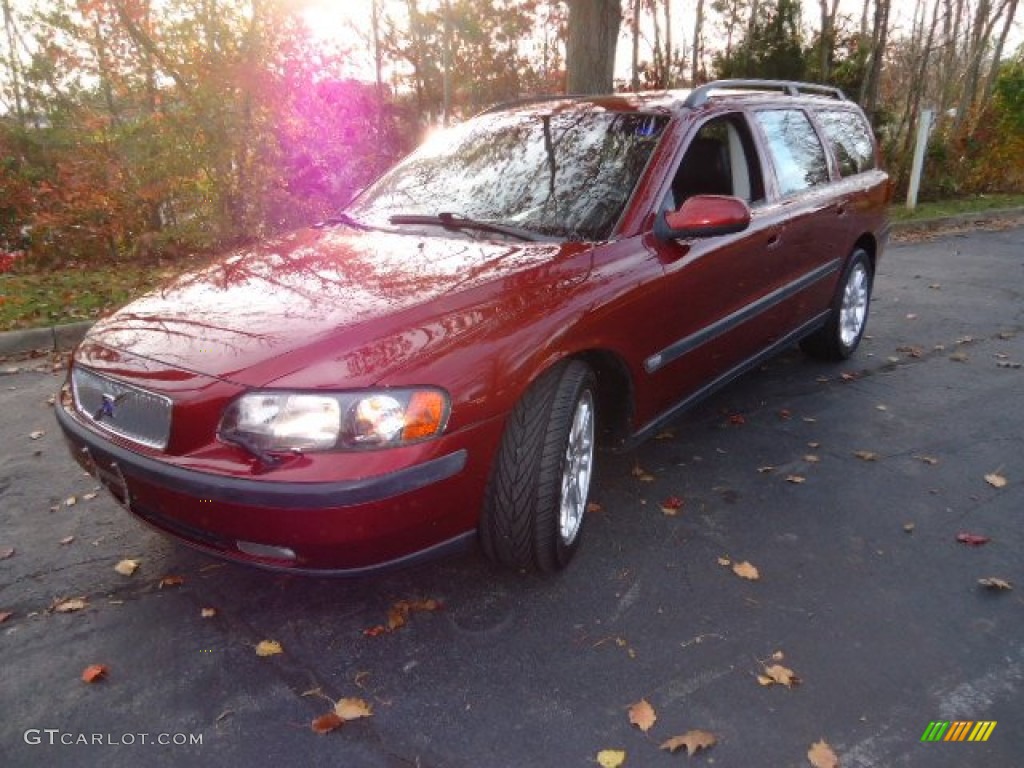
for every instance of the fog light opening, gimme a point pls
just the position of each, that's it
(266, 551)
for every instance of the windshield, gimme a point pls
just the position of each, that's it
(565, 175)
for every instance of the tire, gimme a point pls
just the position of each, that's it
(537, 494)
(841, 334)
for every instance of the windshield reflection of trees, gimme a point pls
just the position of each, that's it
(567, 175)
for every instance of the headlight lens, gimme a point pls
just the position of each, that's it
(296, 421)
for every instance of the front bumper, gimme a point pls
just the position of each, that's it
(348, 526)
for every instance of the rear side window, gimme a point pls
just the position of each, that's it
(850, 139)
(796, 151)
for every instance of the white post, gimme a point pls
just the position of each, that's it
(924, 128)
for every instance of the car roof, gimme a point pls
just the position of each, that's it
(683, 99)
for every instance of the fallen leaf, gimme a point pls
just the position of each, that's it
(94, 672)
(326, 723)
(995, 480)
(959, 357)
(849, 376)
(71, 605)
(785, 414)
(881, 407)
(127, 567)
(796, 479)
(5, 615)
(6, 552)
(398, 615)
(821, 755)
(694, 741)
(811, 458)
(70, 501)
(765, 470)
(929, 460)
(89, 496)
(665, 434)
(994, 583)
(908, 527)
(66, 540)
(972, 539)
(268, 648)
(208, 613)
(36, 435)
(594, 507)
(746, 570)
(724, 561)
(672, 505)
(171, 581)
(814, 446)
(611, 758)
(776, 674)
(866, 455)
(352, 709)
(737, 419)
(642, 715)
(642, 475)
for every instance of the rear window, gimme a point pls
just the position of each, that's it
(850, 139)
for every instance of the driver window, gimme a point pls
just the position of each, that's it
(720, 160)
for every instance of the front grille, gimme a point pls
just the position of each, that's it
(122, 409)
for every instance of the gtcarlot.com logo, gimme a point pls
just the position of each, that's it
(958, 730)
(55, 736)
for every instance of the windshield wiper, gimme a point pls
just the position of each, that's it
(342, 218)
(455, 222)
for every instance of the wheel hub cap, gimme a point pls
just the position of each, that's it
(855, 306)
(579, 460)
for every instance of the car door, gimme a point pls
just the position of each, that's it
(811, 217)
(715, 310)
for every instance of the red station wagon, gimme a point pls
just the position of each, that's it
(437, 363)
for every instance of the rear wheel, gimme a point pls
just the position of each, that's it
(840, 336)
(537, 496)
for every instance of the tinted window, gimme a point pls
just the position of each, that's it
(567, 175)
(720, 160)
(850, 139)
(797, 153)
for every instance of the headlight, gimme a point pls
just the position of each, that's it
(295, 421)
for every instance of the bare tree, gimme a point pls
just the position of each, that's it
(879, 38)
(590, 49)
(698, 43)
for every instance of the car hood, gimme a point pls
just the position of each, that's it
(247, 318)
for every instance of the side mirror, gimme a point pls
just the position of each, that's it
(703, 216)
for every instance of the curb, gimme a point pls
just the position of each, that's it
(53, 338)
(60, 337)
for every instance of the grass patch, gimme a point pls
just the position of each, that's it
(942, 208)
(31, 298)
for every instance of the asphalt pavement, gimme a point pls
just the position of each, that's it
(845, 486)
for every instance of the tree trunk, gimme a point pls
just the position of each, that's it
(993, 73)
(698, 42)
(635, 84)
(667, 78)
(879, 36)
(13, 63)
(590, 50)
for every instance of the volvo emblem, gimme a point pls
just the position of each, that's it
(107, 407)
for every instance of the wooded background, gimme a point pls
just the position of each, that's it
(130, 128)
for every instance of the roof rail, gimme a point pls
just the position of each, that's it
(699, 96)
(525, 101)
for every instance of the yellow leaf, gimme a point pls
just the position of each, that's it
(70, 606)
(208, 613)
(811, 458)
(352, 709)
(995, 480)
(127, 567)
(694, 741)
(746, 571)
(724, 561)
(642, 715)
(866, 455)
(795, 479)
(171, 581)
(268, 648)
(778, 675)
(821, 755)
(611, 758)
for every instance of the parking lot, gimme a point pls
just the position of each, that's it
(847, 488)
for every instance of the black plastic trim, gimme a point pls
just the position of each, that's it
(263, 493)
(677, 349)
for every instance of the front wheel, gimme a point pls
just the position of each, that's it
(537, 495)
(839, 337)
